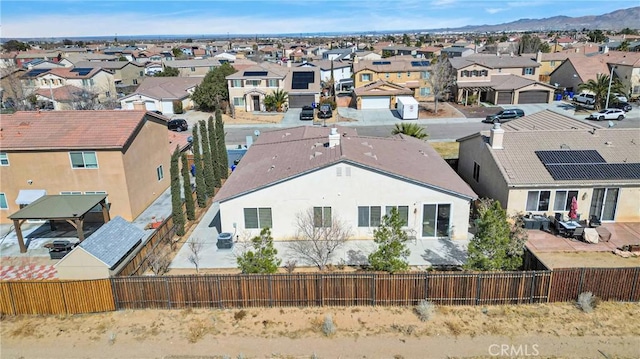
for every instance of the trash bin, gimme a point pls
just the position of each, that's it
(558, 96)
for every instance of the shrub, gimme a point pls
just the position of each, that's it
(239, 315)
(329, 101)
(587, 302)
(424, 310)
(177, 107)
(328, 328)
(290, 266)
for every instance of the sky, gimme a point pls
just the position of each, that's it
(71, 18)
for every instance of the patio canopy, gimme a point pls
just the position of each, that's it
(70, 208)
(27, 196)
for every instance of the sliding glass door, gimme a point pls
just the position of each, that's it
(604, 203)
(436, 219)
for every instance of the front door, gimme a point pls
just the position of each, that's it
(436, 220)
(256, 102)
(604, 203)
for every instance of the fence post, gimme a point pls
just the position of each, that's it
(13, 304)
(166, 282)
(112, 280)
(64, 300)
(426, 286)
(582, 270)
(319, 284)
(219, 291)
(478, 289)
(533, 286)
(373, 289)
(634, 286)
(270, 292)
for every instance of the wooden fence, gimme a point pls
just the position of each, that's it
(317, 289)
(157, 244)
(56, 297)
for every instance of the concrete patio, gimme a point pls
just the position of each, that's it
(621, 234)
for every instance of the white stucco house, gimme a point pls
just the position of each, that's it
(159, 93)
(337, 173)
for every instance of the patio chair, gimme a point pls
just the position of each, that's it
(558, 217)
(594, 221)
(578, 233)
(560, 230)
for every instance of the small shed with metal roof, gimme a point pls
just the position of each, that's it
(103, 253)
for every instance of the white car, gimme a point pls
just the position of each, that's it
(620, 97)
(608, 114)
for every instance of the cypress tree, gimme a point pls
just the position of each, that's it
(215, 163)
(201, 187)
(221, 146)
(209, 179)
(176, 199)
(186, 185)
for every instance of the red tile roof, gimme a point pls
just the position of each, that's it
(61, 130)
(62, 93)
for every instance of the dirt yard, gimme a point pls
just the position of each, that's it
(612, 330)
(445, 110)
(476, 111)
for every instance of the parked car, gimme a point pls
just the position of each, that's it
(585, 99)
(157, 112)
(608, 114)
(504, 116)
(307, 113)
(625, 106)
(620, 97)
(325, 111)
(178, 124)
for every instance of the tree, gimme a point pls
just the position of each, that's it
(406, 40)
(223, 158)
(189, 40)
(529, 44)
(497, 244)
(176, 198)
(392, 250)
(176, 52)
(262, 258)
(15, 45)
(545, 48)
(186, 185)
(624, 46)
(209, 177)
(599, 87)
(280, 97)
(213, 145)
(317, 245)
(195, 247)
(201, 187)
(628, 31)
(596, 36)
(213, 89)
(410, 129)
(441, 77)
(67, 42)
(168, 72)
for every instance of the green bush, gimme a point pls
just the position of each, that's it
(177, 107)
(329, 101)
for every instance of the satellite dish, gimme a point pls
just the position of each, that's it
(190, 139)
(256, 132)
(611, 124)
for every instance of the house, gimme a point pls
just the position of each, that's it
(126, 75)
(193, 68)
(73, 59)
(339, 174)
(94, 80)
(341, 72)
(337, 54)
(409, 76)
(7, 60)
(160, 93)
(27, 56)
(399, 51)
(63, 98)
(123, 154)
(104, 253)
(248, 88)
(550, 61)
(539, 162)
(456, 51)
(499, 79)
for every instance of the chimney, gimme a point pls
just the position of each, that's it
(497, 135)
(577, 50)
(606, 49)
(334, 138)
(356, 59)
(139, 106)
(289, 63)
(539, 57)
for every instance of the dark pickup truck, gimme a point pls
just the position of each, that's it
(324, 111)
(307, 113)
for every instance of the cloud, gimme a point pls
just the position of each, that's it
(439, 3)
(494, 10)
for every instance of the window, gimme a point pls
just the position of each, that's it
(369, 216)
(238, 101)
(141, 73)
(193, 69)
(108, 94)
(425, 75)
(636, 89)
(272, 83)
(365, 77)
(83, 159)
(425, 91)
(4, 159)
(403, 213)
(257, 218)
(552, 64)
(67, 193)
(253, 83)
(135, 81)
(236, 83)
(464, 73)
(387, 75)
(3, 201)
(528, 71)
(339, 171)
(322, 217)
(160, 173)
(563, 200)
(408, 74)
(399, 74)
(538, 200)
(436, 220)
(476, 172)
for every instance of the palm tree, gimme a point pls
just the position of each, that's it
(410, 129)
(624, 46)
(280, 97)
(599, 88)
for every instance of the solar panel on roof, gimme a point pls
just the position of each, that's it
(301, 80)
(382, 62)
(35, 72)
(255, 73)
(82, 71)
(420, 63)
(570, 156)
(594, 171)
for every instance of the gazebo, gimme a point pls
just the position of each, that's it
(69, 208)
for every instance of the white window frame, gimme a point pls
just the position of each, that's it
(4, 159)
(160, 173)
(425, 91)
(272, 82)
(365, 77)
(84, 162)
(566, 201)
(68, 193)
(262, 220)
(371, 217)
(539, 208)
(529, 71)
(6, 203)
(236, 83)
(405, 220)
(325, 221)
(253, 83)
(238, 101)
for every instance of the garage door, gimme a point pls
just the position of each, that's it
(533, 97)
(150, 105)
(375, 102)
(297, 101)
(504, 98)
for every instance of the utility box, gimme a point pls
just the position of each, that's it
(407, 107)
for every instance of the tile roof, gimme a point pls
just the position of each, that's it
(382, 88)
(326, 64)
(113, 241)
(547, 130)
(192, 63)
(62, 93)
(284, 154)
(493, 61)
(66, 73)
(502, 82)
(112, 65)
(397, 64)
(165, 88)
(180, 139)
(586, 67)
(64, 130)
(274, 71)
